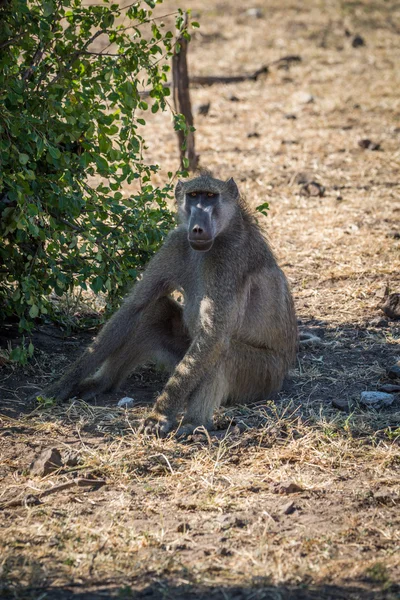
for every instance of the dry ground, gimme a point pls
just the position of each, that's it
(206, 518)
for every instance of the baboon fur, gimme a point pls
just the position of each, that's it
(232, 341)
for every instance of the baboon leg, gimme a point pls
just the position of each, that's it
(254, 373)
(161, 335)
(244, 374)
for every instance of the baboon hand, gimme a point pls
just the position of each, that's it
(156, 424)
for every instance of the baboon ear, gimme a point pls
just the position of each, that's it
(179, 190)
(232, 188)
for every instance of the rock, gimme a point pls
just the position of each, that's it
(341, 404)
(368, 144)
(304, 98)
(378, 322)
(49, 460)
(286, 487)
(288, 508)
(290, 116)
(32, 500)
(301, 178)
(254, 134)
(393, 372)
(228, 521)
(183, 527)
(202, 109)
(394, 234)
(391, 306)
(233, 98)
(385, 496)
(255, 13)
(389, 388)
(357, 41)
(126, 402)
(376, 399)
(312, 188)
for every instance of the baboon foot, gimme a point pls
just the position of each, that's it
(92, 387)
(157, 424)
(54, 392)
(187, 429)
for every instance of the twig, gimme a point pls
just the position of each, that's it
(214, 79)
(54, 490)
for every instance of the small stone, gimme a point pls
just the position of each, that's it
(389, 388)
(253, 134)
(31, 500)
(391, 306)
(302, 178)
(291, 117)
(286, 487)
(357, 41)
(233, 98)
(49, 460)
(312, 188)
(255, 13)
(394, 234)
(288, 508)
(126, 402)
(378, 322)
(183, 527)
(203, 109)
(228, 521)
(304, 98)
(341, 404)
(376, 399)
(393, 372)
(368, 144)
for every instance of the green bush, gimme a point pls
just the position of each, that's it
(68, 118)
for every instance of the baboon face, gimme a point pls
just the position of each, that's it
(206, 206)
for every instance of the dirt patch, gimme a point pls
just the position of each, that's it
(201, 518)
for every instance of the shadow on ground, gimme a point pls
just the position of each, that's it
(347, 360)
(167, 591)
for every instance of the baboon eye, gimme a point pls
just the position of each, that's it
(194, 194)
(210, 195)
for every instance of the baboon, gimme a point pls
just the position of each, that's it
(233, 339)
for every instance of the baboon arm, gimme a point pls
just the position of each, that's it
(212, 339)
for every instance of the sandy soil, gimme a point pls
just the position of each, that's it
(216, 517)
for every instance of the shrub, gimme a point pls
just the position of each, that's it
(70, 137)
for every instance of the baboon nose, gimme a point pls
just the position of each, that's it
(197, 230)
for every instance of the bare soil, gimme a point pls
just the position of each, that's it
(219, 516)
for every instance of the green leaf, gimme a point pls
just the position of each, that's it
(23, 158)
(54, 152)
(34, 311)
(263, 208)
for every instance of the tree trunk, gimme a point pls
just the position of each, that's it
(182, 103)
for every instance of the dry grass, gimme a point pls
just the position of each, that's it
(201, 518)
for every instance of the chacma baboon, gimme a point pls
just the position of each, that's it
(235, 336)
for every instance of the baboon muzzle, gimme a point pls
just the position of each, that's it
(200, 230)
